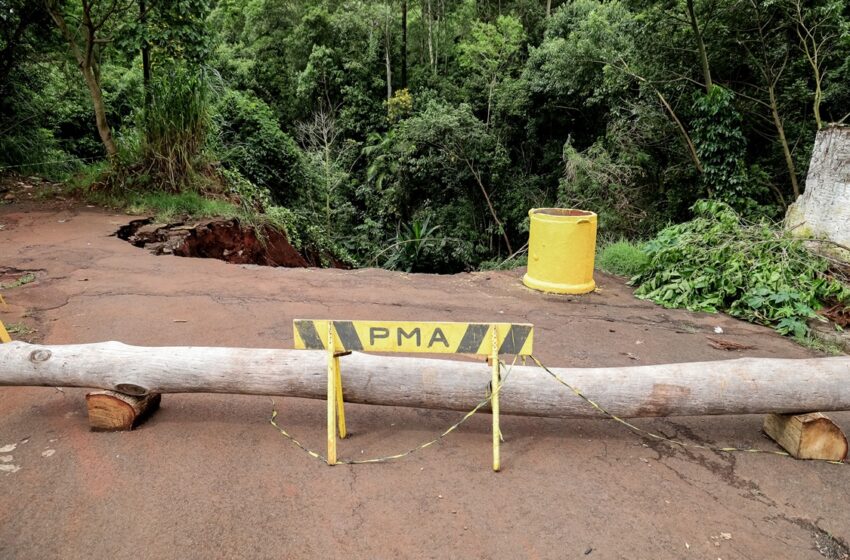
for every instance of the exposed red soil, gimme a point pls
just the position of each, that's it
(225, 240)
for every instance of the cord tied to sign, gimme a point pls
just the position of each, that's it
(339, 338)
(336, 420)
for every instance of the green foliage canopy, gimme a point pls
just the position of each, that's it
(458, 114)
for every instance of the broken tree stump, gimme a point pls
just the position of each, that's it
(110, 411)
(807, 436)
(823, 210)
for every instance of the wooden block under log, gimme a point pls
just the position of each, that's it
(112, 412)
(807, 436)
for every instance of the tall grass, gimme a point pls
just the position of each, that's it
(26, 150)
(166, 207)
(623, 258)
(176, 124)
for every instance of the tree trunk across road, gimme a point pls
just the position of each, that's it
(742, 386)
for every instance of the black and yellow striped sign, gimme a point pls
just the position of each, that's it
(415, 336)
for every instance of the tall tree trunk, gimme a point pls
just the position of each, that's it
(812, 50)
(490, 89)
(430, 20)
(474, 170)
(772, 71)
(703, 57)
(812, 58)
(689, 143)
(440, 12)
(404, 44)
(388, 16)
(786, 149)
(548, 8)
(817, 101)
(389, 69)
(686, 138)
(146, 55)
(96, 93)
(88, 67)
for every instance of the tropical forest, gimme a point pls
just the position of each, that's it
(417, 134)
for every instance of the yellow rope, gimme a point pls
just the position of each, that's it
(577, 392)
(642, 432)
(396, 456)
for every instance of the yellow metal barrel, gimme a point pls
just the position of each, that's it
(561, 249)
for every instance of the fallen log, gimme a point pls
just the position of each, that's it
(741, 386)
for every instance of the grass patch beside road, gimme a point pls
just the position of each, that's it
(623, 258)
(166, 207)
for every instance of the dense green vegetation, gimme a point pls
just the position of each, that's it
(718, 261)
(417, 134)
(751, 270)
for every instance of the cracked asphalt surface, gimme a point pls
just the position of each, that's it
(208, 477)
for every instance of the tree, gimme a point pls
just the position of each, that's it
(492, 54)
(700, 41)
(173, 30)
(471, 111)
(768, 53)
(93, 17)
(332, 157)
(17, 17)
(387, 17)
(818, 28)
(403, 44)
(252, 143)
(446, 152)
(590, 60)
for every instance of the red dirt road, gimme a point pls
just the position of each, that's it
(208, 477)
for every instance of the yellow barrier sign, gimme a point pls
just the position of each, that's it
(415, 336)
(339, 338)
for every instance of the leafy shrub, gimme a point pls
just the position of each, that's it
(32, 123)
(399, 106)
(412, 242)
(303, 230)
(623, 258)
(437, 163)
(722, 147)
(597, 180)
(308, 236)
(253, 143)
(753, 271)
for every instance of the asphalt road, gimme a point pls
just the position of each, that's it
(208, 477)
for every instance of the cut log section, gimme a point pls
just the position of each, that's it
(807, 436)
(114, 412)
(742, 386)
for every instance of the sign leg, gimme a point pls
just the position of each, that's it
(495, 383)
(332, 404)
(340, 406)
(4, 335)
